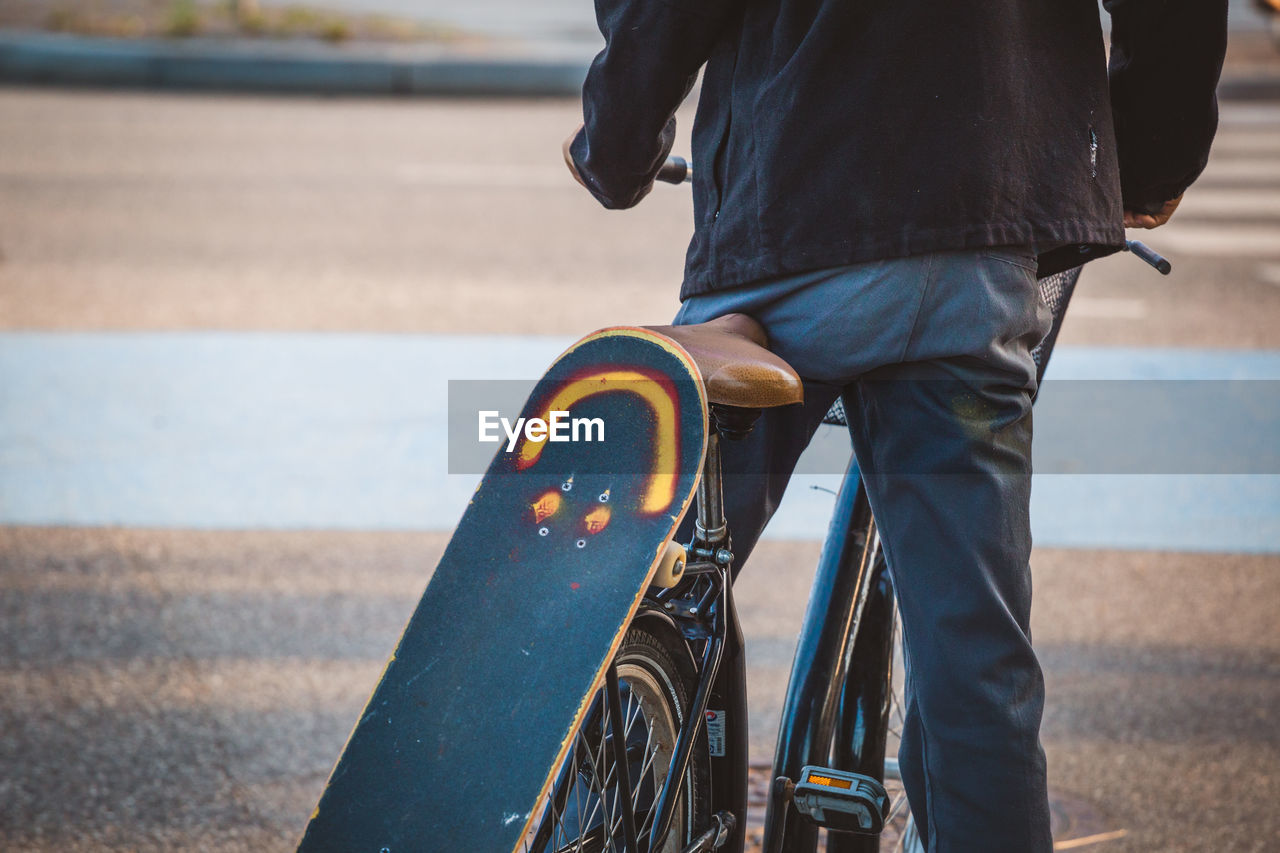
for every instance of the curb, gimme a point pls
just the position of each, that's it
(38, 58)
(305, 68)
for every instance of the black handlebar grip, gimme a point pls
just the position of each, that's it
(675, 171)
(1145, 252)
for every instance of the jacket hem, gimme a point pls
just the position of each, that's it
(731, 271)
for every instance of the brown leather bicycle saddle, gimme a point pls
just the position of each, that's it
(736, 367)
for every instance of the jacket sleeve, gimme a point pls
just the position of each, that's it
(653, 50)
(1166, 56)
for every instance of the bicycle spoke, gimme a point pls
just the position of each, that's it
(647, 767)
(646, 763)
(617, 777)
(629, 716)
(577, 799)
(604, 800)
(551, 815)
(646, 825)
(600, 804)
(592, 763)
(899, 803)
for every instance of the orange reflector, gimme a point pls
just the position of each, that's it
(828, 782)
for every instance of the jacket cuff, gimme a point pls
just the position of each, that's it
(613, 189)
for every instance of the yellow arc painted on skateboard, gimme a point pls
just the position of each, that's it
(660, 397)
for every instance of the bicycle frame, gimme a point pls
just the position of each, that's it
(836, 711)
(837, 703)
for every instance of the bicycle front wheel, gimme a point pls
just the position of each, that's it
(584, 810)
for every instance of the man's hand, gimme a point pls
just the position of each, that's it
(1132, 219)
(573, 169)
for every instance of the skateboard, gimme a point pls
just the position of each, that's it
(477, 706)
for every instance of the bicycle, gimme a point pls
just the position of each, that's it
(659, 762)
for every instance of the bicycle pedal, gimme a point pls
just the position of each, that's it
(841, 801)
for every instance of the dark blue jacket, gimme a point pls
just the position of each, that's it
(831, 132)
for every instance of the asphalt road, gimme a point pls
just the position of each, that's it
(173, 689)
(137, 212)
(168, 690)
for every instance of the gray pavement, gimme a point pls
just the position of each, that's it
(179, 690)
(138, 211)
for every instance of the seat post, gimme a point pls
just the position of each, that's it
(734, 423)
(711, 529)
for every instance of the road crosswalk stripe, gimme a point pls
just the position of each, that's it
(1212, 201)
(243, 431)
(1248, 115)
(1243, 168)
(1270, 273)
(1109, 308)
(1253, 241)
(1254, 141)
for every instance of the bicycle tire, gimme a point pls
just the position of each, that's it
(656, 681)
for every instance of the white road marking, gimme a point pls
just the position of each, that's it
(1252, 141)
(1242, 168)
(298, 431)
(1215, 201)
(1270, 273)
(1234, 115)
(1256, 241)
(485, 176)
(1108, 308)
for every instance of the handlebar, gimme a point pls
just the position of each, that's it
(676, 170)
(1142, 250)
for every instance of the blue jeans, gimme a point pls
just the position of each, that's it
(931, 356)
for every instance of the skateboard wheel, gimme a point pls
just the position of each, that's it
(670, 566)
